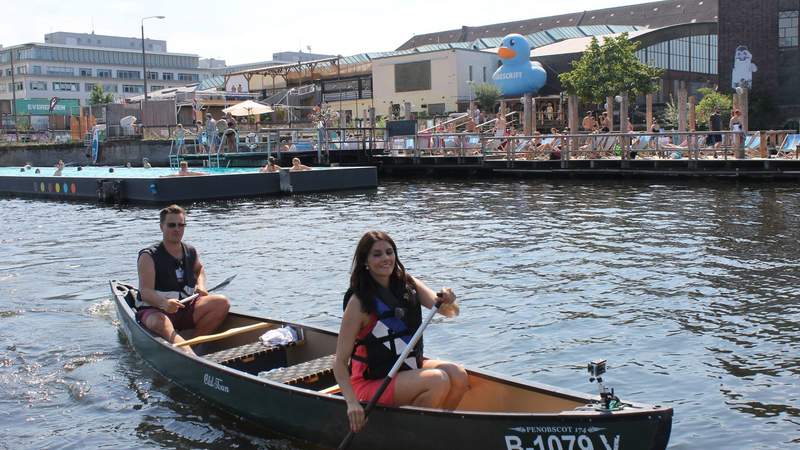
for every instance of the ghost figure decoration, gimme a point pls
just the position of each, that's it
(743, 68)
(518, 75)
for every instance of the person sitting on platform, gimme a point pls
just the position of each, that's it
(59, 168)
(297, 167)
(381, 296)
(168, 272)
(271, 166)
(146, 163)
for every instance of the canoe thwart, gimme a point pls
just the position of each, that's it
(335, 389)
(307, 372)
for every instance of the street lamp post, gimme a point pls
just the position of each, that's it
(144, 66)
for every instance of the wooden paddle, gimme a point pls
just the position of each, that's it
(224, 334)
(396, 368)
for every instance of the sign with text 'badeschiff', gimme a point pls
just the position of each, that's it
(41, 107)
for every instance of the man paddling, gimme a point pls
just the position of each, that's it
(170, 271)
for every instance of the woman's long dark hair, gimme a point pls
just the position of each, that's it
(361, 282)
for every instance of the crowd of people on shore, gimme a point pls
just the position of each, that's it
(596, 139)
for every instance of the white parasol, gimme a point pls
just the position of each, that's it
(248, 108)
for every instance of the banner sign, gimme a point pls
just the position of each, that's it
(42, 106)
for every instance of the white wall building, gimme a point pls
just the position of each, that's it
(435, 82)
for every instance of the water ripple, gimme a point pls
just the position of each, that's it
(689, 290)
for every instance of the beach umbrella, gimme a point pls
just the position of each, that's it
(248, 108)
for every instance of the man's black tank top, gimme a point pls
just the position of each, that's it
(173, 274)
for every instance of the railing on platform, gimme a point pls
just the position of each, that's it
(667, 145)
(273, 141)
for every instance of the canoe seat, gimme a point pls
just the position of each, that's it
(306, 373)
(243, 353)
(253, 358)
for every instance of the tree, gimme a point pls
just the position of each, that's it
(610, 69)
(487, 95)
(711, 100)
(99, 97)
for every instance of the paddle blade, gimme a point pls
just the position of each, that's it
(226, 282)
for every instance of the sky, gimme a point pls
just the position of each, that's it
(250, 31)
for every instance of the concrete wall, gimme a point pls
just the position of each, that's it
(449, 75)
(114, 153)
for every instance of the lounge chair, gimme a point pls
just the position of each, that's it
(790, 143)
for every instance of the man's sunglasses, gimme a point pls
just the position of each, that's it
(175, 224)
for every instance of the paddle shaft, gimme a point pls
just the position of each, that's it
(396, 368)
(226, 282)
(224, 334)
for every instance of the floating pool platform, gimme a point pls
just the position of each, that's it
(158, 185)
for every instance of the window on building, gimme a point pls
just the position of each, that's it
(64, 86)
(132, 88)
(36, 70)
(470, 73)
(156, 88)
(412, 76)
(788, 28)
(8, 72)
(16, 86)
(152, 75)
(484, 74)
(188, 77)
(38, 85)
(679, 57)
(60, 71)
(129, 74)
(167, 76)
(22, 70)
(88, 87)
(85, 72)
(103, 73)
(110, 88)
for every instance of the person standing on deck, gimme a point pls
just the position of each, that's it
(588, 122)
(382, 307)
(715, 124)
(211, 133)
(168, 272)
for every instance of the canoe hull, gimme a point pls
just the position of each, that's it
(321, 419)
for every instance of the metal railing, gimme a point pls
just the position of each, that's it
(626, 146)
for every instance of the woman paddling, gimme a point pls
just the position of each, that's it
(383, 306)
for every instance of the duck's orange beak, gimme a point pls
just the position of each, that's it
(506, 53)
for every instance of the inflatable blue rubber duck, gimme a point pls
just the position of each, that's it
(518, 75)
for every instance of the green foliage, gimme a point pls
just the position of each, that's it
(711, 100)
(487, 95)
(669, 119)
(99, 97)
(610, 69)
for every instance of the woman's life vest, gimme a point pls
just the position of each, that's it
(393, 323)
(175, 277)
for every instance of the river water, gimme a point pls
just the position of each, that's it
(689, 290)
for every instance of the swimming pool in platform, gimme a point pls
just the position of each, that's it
(160, 185)
(118, 172)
